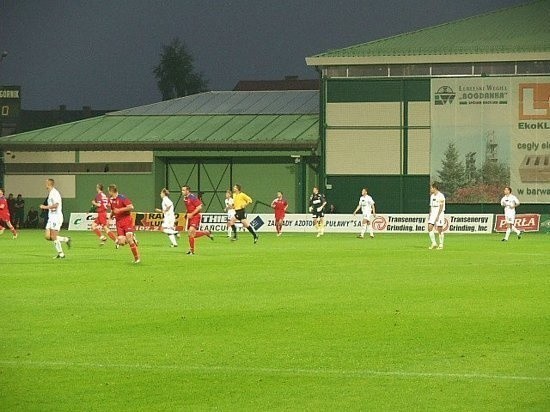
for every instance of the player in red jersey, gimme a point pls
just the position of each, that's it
(193, 205)
(279, 205)
(5, 218)
(121, 208)
(101, 202)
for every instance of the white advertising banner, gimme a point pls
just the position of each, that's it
(335, 223)
(490, 132)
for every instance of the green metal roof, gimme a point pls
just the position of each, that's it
(132, 129)
(520, 32)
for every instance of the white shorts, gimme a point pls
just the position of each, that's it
(510, 216)
(368, 217)
(54, 223)
(440, 222)
(230, 214)
(169, 222)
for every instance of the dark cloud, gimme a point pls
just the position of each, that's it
(101, 53)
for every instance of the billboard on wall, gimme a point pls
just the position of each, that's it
(491, 132)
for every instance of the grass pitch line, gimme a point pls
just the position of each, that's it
(274, 371)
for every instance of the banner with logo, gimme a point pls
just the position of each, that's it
(528, 222)
(335, 223)
(491, 132)
(143, 221)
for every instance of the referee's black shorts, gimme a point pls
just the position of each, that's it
(240, 214)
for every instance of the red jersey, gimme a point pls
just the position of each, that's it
(192, 202)
(4, 209)
(118, 203)
(103, 201)
(279, 205)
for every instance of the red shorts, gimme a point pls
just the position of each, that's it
(124, 225)
(195, 221)
(279, 216)
(101, 219)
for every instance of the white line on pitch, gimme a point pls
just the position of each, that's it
(359, 373)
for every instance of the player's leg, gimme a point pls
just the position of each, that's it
(131, 240)
(431, 234)
(369, 227)
(441, 236)
(191, 232)
(233, 228)
(250, 228)
(508, 231)
(53, 236)
(364, 223)
(11, 228)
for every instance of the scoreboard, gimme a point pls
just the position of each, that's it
(10, 102)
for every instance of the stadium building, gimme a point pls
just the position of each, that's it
(465, 103)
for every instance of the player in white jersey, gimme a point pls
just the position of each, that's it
(509, 202)
(54, 207)
(169, 220)
(366, 204)
(436, 219)
(229, 209)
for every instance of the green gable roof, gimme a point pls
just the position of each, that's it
(511, 34)
(207, 121)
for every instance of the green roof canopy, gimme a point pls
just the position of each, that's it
(282, 120)
(513, 34)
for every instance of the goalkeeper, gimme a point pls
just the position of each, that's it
(317, 203)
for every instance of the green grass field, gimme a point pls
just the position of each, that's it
(292, 323)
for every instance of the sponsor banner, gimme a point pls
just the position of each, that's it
(488, 132)
(347, 223)
(144, 221)
(527, 222)
(336, 223)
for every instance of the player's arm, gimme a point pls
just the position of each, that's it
(53, 206)
(516, 202)
(273, 204)
(323, 203)
(286, 206)
(127, 208)
(373, 209)
(357, 209)
(194, 212)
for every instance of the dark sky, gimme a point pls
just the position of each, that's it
(101, 53)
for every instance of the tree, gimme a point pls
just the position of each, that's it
(176, 76)
(452, 171)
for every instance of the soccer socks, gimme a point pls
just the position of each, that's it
(63, 239)
(97, 232)
(111, 236)
(507, 235)
(516, 230)
(135, 251)
(441, 238)
(173, 239)
(363, 230)
(432, 236)
(57, 245)
(252, 231)
(192, 244)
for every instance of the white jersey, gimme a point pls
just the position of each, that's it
(55, 216)
(229, 202)
(366, 204)
(168, 209)
(437, 200)
(509, 203)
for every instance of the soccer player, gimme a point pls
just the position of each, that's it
(193, 205)
(121, 209)
(54, 206)
(509, 202)
(280, 206)
(317, 203)
(101, 202)
(436, 219)
(241, 200)
(5, 218)
(229, 209)
(169, 220)
(366, 204)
